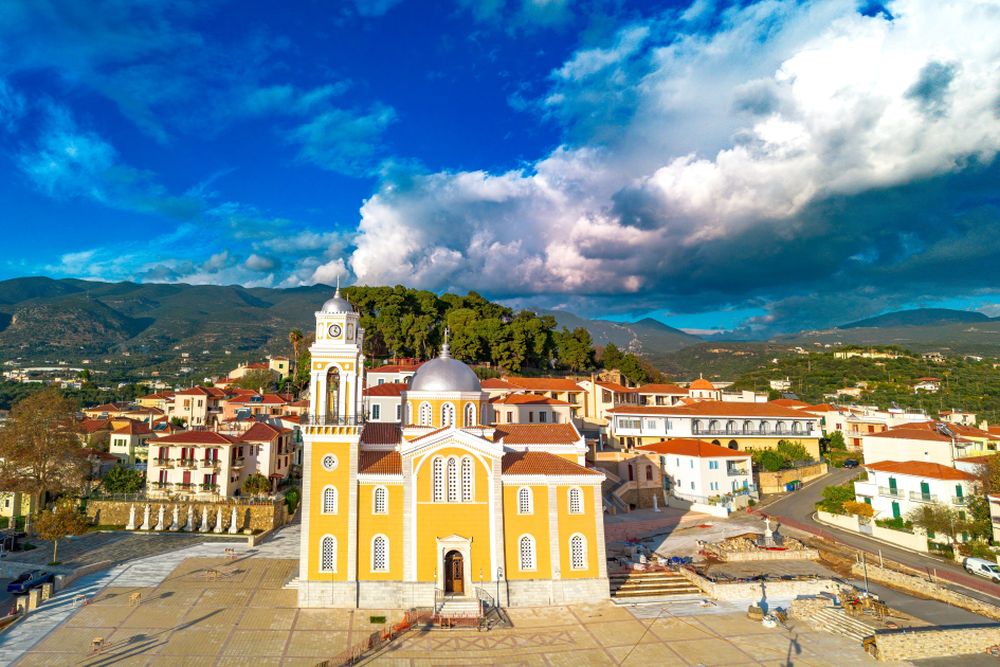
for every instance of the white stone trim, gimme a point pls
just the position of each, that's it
(305, 506)
(462, 545)
(371, 553)
(380, 478)
(576, 480)
(352, 512)
(602, 562)
(452, 434)
(554, 551)
(409, 522)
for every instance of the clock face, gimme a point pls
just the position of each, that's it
(335, 331)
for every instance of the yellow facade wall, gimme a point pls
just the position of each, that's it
(441, 519)
(436, 405)
(570, 524)
(389, 524)
(329, 524)
(535, 524)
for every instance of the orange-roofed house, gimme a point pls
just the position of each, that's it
(199, 407)
(531, 409)
(385, 401)
(736, 425)
(129, 443)
(895, 488)
(662, 394)
(559, 389)
(400, 514)
(932, 442)
(603, 396)
(700, 472)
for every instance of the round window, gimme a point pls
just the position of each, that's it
(330, 462)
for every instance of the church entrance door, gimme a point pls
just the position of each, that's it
(454, 574)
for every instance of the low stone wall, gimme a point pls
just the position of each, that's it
(774, 482)
(921, 586)
(765, 554)
(938, 642)
(254, 517)
(752, 590)
(912, 541)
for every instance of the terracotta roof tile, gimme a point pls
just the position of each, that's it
(380, 463)
(541, 463)
(543, 384)
(386, 389)
(134, 428)
(261, 432)
(701, 383)
(690, 447)
(381, 433)
(527, 399)
(197, 438)
(921, 469)
(537, 434)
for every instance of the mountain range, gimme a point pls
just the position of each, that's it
(68, 319)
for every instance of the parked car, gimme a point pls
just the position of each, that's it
(850, 463)
(982, 567)
(28, 580)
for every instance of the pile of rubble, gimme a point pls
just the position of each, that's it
(752, 545)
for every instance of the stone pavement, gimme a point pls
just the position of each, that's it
(117, 547)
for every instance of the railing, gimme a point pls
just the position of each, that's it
(958, 500)
(209, 487)
(332, 420)
(188, 463)
(184, 485)
(889, 492)
(922, 497)
(238, 463)
(756, 431)
(210, 464)
(164, 463)
(736, 472)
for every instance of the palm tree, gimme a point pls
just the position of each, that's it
(295, 338)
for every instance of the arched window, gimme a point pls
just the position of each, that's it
(779, 427)
(796, 427)
(578, 552)
(452, 480)
(649, 473)
(380, 553)
(426, 416)
(328, 554)
(466, 480)
(526, 553)
(333, 394)
(575, 501)
(329, 500)
(713, 425)
(696, 426)
(747, 426)
(447, 414)
(730, 426)
(380, 500)
(470, 414)
(764, 427)
(524, 501)
(438, 474)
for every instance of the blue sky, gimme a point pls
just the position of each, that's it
(755, 167)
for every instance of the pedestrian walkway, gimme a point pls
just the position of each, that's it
(146, 572)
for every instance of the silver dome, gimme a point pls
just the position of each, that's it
(445, 374)
(337, 304)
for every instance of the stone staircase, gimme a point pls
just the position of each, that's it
(459, 608)
(293, 583)
(836, 620)
(651, 584)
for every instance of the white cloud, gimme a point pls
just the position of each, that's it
(679, 144)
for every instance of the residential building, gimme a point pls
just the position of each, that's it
(275, 453)
(603, 396)
(198, 465)
(129, 443)
(699, 471)
(738, 426)
(930, 385)
(662, 394)
(385, 402)
(896, 488)
(394, 373)
(958, 417)
(930, 443)
(530, 409)
(560, 389)
(394, 516)
(199, 406)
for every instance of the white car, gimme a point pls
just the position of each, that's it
(982, 567)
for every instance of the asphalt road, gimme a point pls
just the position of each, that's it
(800, 505)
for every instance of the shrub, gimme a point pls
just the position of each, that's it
(123, 480)
(256, 485)
(976, 549)
(859, 509)
(834, 498)
(292, 500)
(895, 524)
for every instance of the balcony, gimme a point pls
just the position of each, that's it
(959, 500)
(923, 497)
(183, 485)
(188, 463)
(164, 463)
(238, 463)
(735, 433)
(737, 472)
(889, 492)
(208, 488)
(210, 463)
(333, 420)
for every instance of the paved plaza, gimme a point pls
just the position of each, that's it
(198, 606)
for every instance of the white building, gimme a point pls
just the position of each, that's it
(697, 471)
(129, 443)
(916, 443)
(530, 409)
(385, 402)
(929, 385)
(895, 488)
(391, 373)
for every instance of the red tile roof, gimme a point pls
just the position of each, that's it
(789, 403)
(537, 434)
(381, 433)
(543, 384)
(916, 431)
(197, 438)
(921, 469)
(615, 387)
(397, 368)
(94, 425)
(261, 432)
(386, 389)
(211, 392)
(541, 463)
(689, 447)
(496, 383)
(134, 428)
(380, 463)
(701, 383)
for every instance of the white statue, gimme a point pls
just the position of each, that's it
(218, 522)
(131, 518)
(232, 523)
(176, 525)
(204, 519)
(160, 518)
(189, 526)
(145, 518)
(656, 505)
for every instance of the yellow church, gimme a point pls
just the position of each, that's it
(444, 505)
